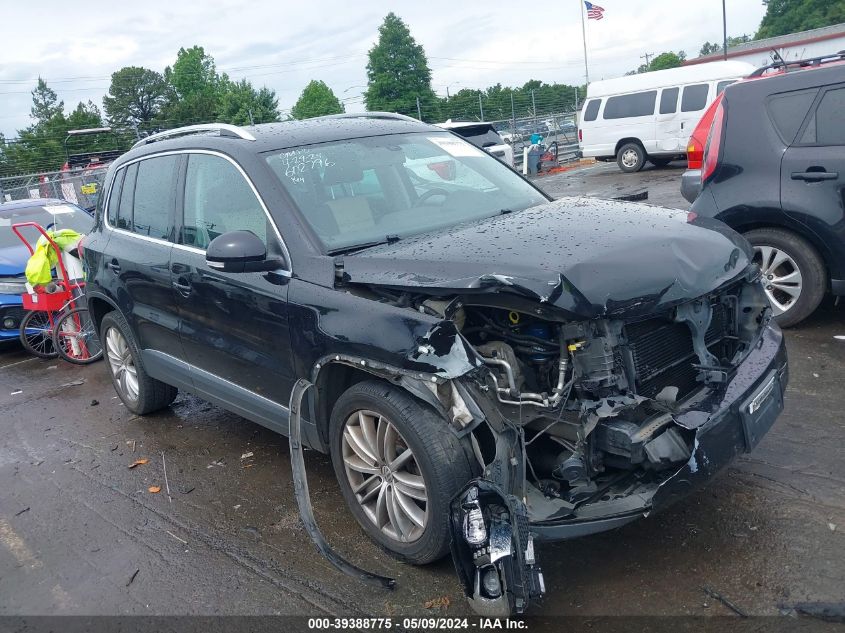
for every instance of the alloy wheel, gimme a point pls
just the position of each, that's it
(781, 277)
(122, 364)
(384, 476)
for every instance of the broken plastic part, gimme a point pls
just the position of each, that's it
(303, 500)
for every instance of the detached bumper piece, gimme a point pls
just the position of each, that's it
(493, 550)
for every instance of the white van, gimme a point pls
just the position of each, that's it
(650, 116)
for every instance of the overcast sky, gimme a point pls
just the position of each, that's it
(284, 44)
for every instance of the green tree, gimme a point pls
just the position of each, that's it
(712, 48)
(46, 106)
(398, 73)
(195, 93)
(667, 60)
(791, 16)
(136, 96)
(241, 104)
(317, 99)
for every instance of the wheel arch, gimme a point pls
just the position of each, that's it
(625, 141)
(742, 224)
(98, 307)
(333, 375)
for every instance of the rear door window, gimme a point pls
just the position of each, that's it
(787, 111)
(591, 112)
(155, 193)
(632, 105)
(695, 97)
(827, 126)
(669, 101)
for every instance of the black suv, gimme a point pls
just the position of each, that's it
(491, 368)
(774, 170)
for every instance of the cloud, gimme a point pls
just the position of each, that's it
(284, 45)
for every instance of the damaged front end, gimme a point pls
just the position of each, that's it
(581, 426)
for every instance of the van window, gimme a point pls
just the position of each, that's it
(155, 190)
(669, 100)
(722, 85)
(827, 127)
(787, 111)
(636, 104)
(695, 97)
(591, 112)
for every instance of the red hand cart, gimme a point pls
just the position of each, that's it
(57, 322)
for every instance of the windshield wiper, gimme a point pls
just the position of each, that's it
(505, 211)
(388, 239)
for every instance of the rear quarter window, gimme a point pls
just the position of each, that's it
(787, 111)
(591, 112)
(632, 105)
(827, 125)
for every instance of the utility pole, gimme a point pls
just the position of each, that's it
(419, 113)
(513, 116)
(724, 31)
(480, 106)
(647, 57)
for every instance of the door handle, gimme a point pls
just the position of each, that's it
(813, 176)
(113, 266)
(183, 289)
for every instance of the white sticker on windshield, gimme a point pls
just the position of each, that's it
(455, 146)
(5, 221)
(58, 209)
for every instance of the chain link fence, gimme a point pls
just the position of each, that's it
(81, 187)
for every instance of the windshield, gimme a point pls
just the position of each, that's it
(372, 190)
(60, 216)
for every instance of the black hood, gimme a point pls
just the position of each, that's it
(585, 256)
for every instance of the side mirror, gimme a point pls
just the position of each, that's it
(239, 252)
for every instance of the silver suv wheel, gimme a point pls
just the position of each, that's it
(122, 364)
(781, 277)
(384, 476)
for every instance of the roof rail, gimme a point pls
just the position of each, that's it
(812, 62)
(373, 115)
(223, 129)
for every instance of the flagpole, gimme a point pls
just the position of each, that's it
(584, 37)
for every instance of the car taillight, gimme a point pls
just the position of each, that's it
(581, 136)
(695, 153)
(714, 144)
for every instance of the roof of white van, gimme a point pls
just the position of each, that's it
(673, 76)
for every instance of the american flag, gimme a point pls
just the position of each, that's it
(594, 11)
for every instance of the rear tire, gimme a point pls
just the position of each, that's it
(794, 274)
(425, 482)
(631, 157)
(137, 390)
(39, 340)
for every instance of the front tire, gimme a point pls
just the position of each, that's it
(137, 390)
(398, 466)
(631, 157)
(794, 275)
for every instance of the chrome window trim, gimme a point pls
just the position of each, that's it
(286, 252)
